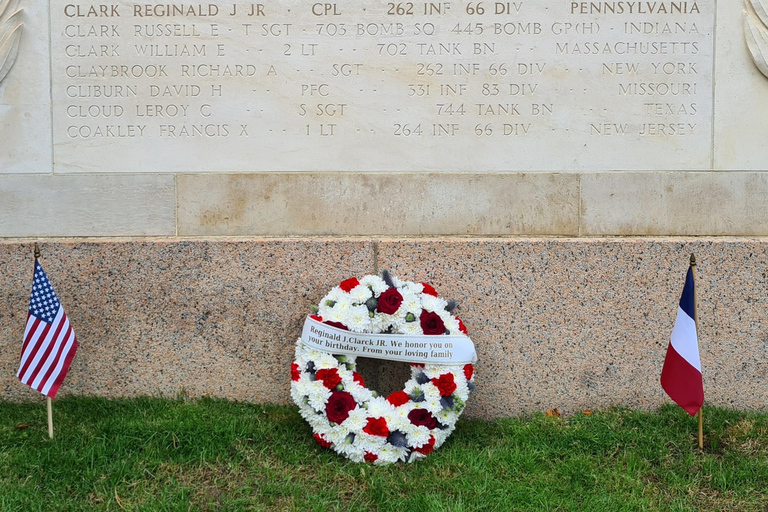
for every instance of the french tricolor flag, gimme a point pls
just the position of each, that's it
(681, 375)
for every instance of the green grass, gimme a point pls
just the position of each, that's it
(173, 455)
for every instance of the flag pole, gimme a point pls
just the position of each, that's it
(50, 418)
(696, 322)
(49, 403)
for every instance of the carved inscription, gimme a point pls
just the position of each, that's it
(377, 86)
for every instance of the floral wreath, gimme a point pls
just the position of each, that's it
(357, 422)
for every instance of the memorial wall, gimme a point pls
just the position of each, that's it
(232, 161)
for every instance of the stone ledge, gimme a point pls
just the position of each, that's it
(560, 322)
(388, 204)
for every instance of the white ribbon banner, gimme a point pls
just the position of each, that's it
(425, 349)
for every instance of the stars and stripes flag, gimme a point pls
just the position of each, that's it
(681, 375)
(49, 341)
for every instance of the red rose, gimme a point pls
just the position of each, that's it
(376, 427)
(389, 301)
(422, 418)
(322, 441)
(337, 325)
(338, 406)
(348, 284)
(462, 327)
(469, 370)
(295, 373)
(398, 398)
(329, 376)
(427, 448)
(358, 378)
(431, 323)
(370, 457)
(429, 290)
(445, 384)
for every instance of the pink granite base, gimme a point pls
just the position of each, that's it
(567, 323)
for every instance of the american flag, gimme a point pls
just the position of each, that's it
(49, 341)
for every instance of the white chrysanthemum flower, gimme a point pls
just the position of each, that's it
(389, 454)
(412, 328)
(412, 303)
(334, 295)
(338, 434)
(318, 422)
(379, 407)
(462, 391)
(351, 451)
(376, 283)
(446, 417)
(418, 436)
(357, 419)
(360, 293)
(432, 303)
(380, 323)
(359, 393)
(450, 322)
(433, 405)
(415, 288)
(430, 391)
(325, 360)
(358, 319)
(302, 386)
(370, 443)
(318, 396)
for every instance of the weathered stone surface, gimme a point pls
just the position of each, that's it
(50, 205)
(365, 204)
(157, 317)
(568, 323)
(584, 324)
(708, 203)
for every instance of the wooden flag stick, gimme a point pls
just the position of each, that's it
(48, 400)
(50, 418)
(696, 322)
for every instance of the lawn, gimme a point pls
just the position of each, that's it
(167, 455)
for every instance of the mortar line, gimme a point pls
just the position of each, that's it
(714, 86)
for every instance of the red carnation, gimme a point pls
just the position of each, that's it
(429, 290)
(358, 378)
(469, 370)
(417, 365)
(389, 301)
(431, 323)
(445, 384)
(427, 448)
(398, 398)
(338, 406)
(316, 318)
(329, 376)
(377, 427)
(322, 441)
(462, 327)
(348, 284)
(370, 457)
(422, 418)
(295, 373)
(337, 325)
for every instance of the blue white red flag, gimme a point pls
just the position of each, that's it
(681, 375)
(49, 341)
